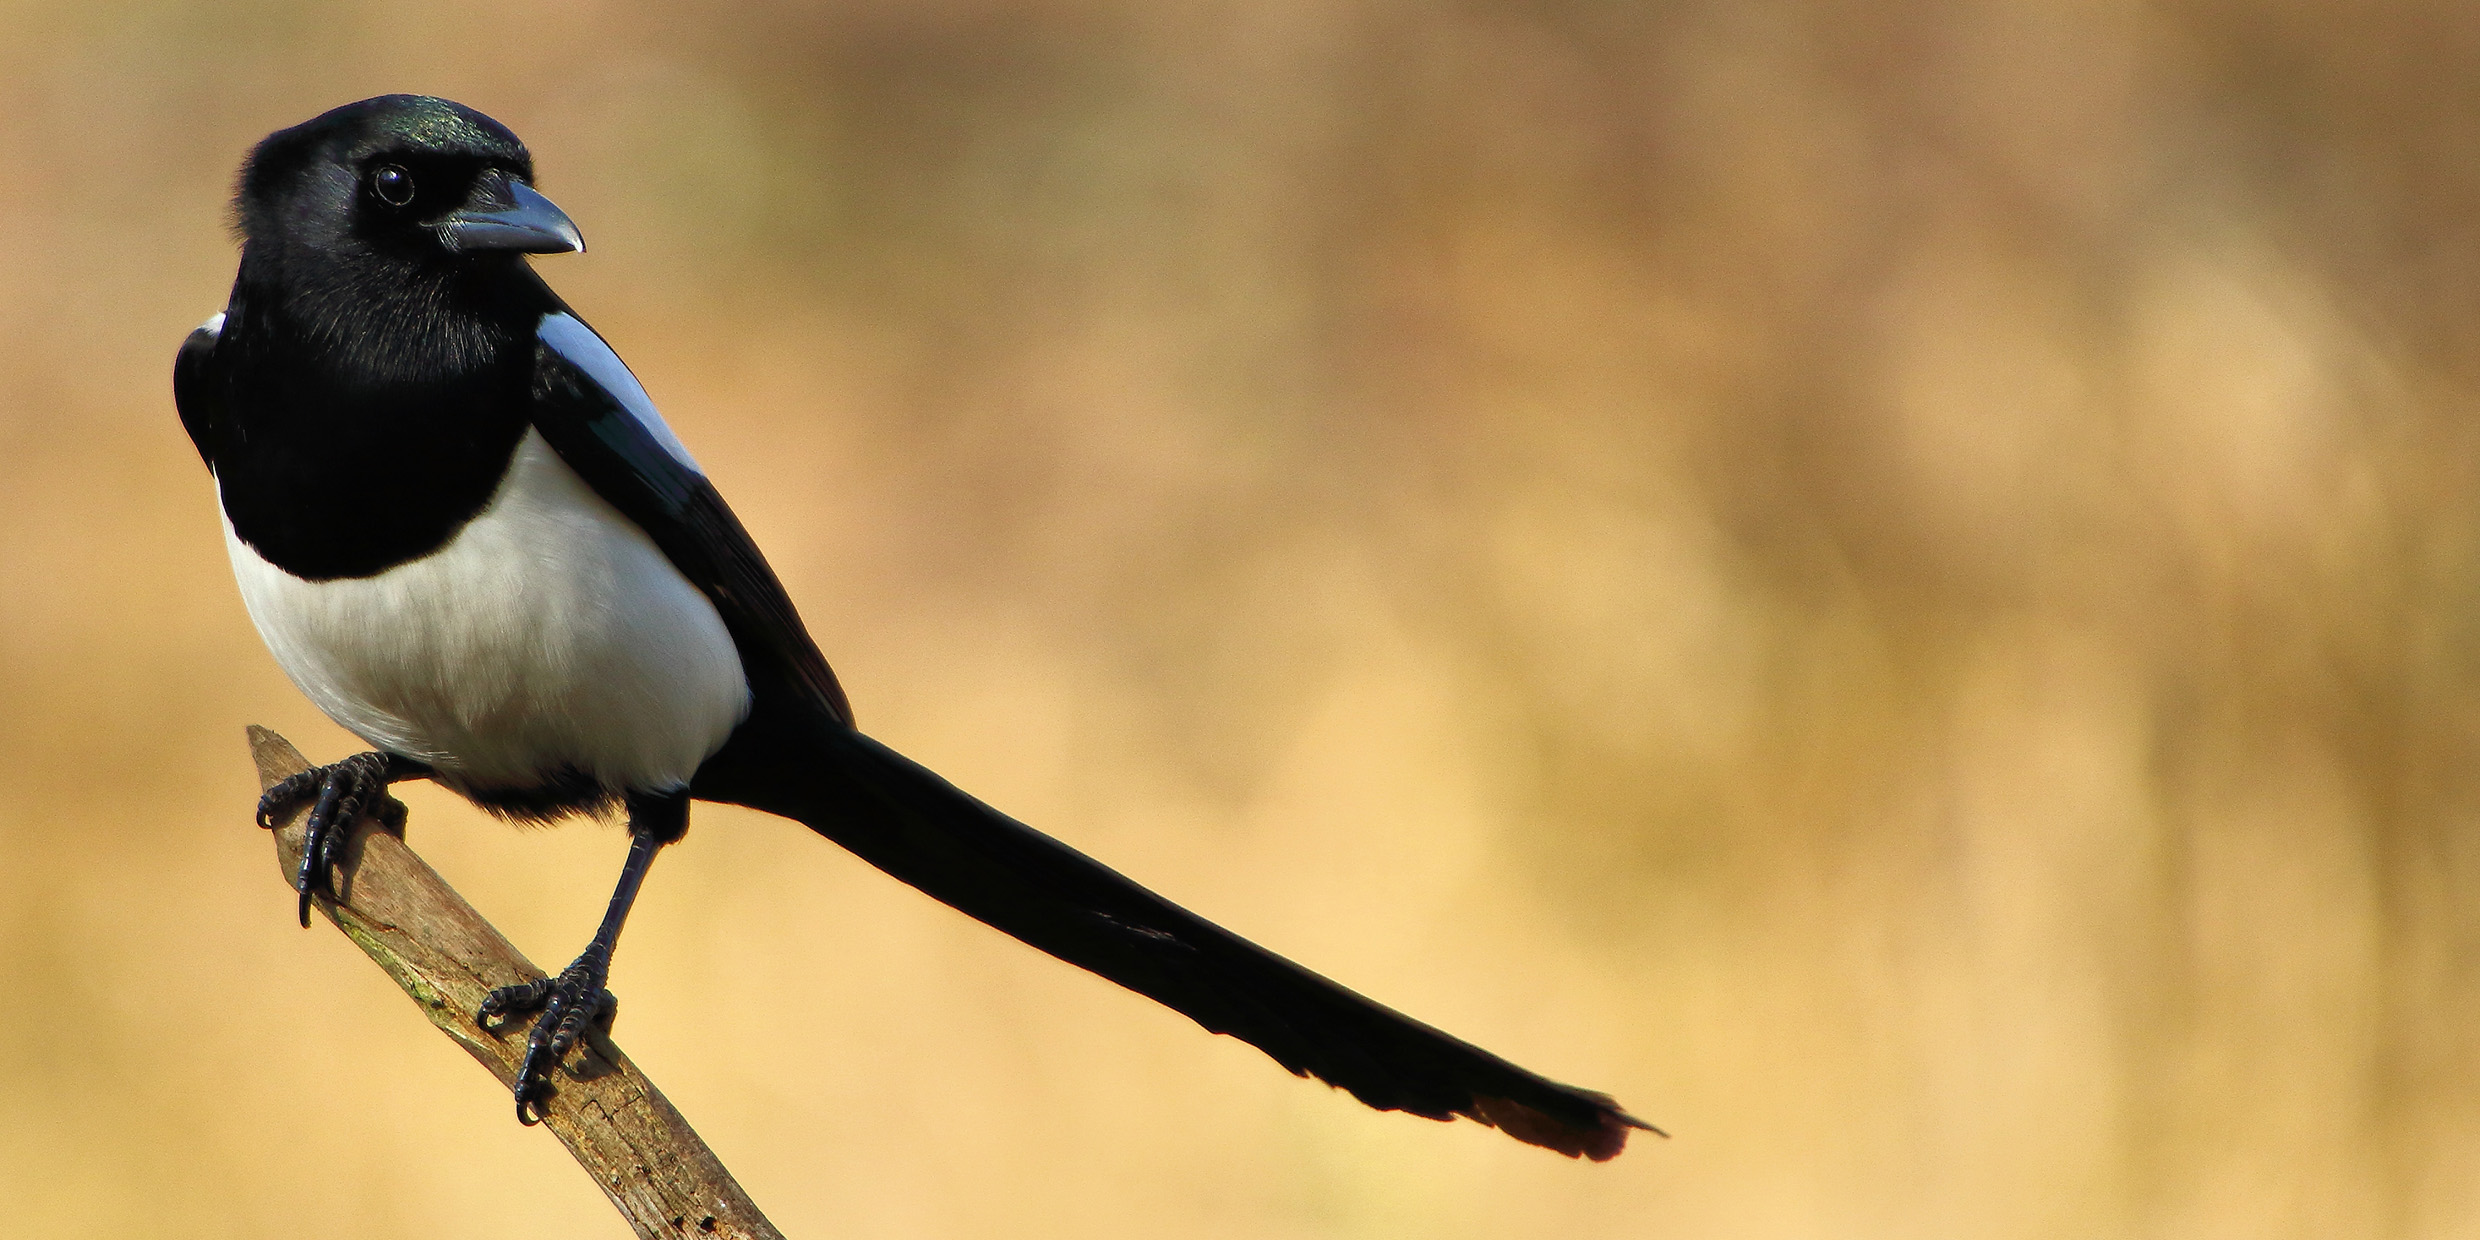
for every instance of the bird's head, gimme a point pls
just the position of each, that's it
(403, 179)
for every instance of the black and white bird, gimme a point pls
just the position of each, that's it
(462, 529)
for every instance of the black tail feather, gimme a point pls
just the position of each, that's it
(906, 820)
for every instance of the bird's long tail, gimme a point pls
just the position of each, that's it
(906, 820)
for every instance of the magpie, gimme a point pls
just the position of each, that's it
(462, 529)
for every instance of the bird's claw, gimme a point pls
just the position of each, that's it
(565, 1005)
(342, 792)
(285, 793)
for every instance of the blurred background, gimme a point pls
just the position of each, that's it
(1896, 584)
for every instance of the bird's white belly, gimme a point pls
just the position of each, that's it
(550, 636)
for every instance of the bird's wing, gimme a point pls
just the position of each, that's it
(192, 392)
(596, 415)
(904, 819)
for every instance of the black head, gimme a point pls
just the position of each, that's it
(400, 181)
(374, 370)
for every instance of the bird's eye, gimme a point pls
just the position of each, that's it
(392, 184)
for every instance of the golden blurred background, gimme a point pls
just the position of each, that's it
(1895, 583)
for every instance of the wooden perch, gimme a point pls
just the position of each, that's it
(639, 1150)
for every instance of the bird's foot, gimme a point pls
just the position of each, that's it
(565, 1003)
(342, 791)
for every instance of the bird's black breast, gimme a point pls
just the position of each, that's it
(334, 467)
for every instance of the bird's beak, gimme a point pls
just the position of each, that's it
(504, 214)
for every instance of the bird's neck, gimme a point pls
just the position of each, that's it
(365, 423)
(385, 323)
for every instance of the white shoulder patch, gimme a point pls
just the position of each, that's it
(214, 326)
(586, 351)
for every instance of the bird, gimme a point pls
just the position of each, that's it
(465, 533)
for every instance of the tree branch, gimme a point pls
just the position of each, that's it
(398, 910)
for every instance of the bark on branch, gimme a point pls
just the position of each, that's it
(445, 957)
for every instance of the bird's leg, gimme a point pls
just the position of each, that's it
(343, 790)
(565, 1003)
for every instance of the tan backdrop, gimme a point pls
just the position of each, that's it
(1897, 584)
